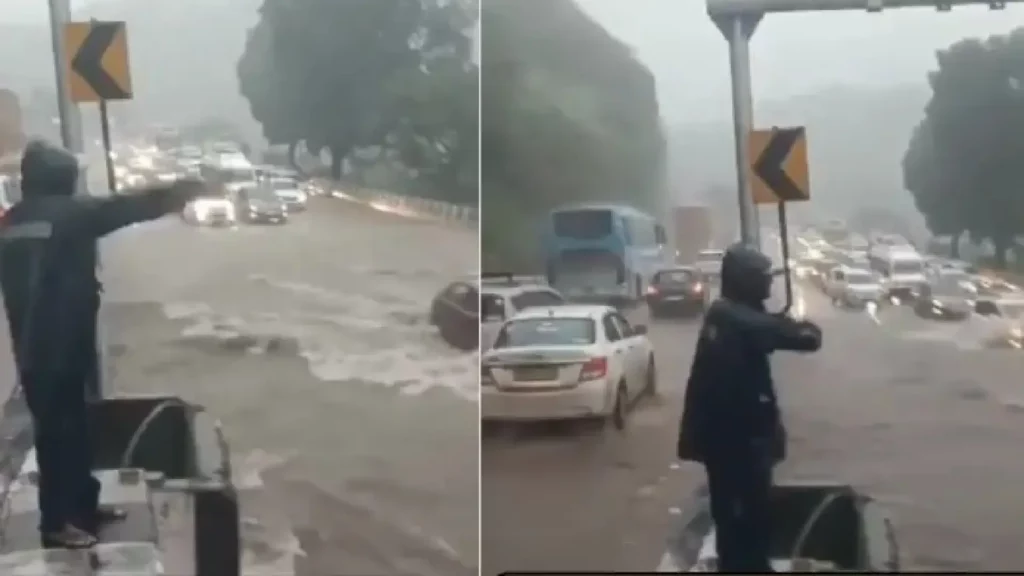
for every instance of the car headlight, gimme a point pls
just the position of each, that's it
(936, 303)
(1017, 333)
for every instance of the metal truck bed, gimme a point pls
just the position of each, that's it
(183, 517)
(820, 527)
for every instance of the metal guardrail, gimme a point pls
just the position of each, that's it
(410, 206)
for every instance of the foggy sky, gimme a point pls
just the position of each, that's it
(31, 11)
(791, 54)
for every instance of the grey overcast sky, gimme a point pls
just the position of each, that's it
(791, 54)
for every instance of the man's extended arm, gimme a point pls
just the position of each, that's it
(771, 332)
(784, 333)
(101, 216)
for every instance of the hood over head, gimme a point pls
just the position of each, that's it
(48, 170)
(746, 275)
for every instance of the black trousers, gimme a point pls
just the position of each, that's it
(740, 487)
(56, 397)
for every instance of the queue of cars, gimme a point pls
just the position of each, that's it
(892, 272)
(243, 193)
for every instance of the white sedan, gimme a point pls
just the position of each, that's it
(566, 362)
(210, 211)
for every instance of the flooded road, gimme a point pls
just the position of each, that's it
(310, 342)
(920, 414)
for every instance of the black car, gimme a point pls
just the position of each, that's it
(456, 313)
(677, 290)
(260, 205)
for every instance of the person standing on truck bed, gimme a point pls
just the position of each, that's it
(731, 422)
(52, 298)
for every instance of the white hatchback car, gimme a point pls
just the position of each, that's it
(567, 362)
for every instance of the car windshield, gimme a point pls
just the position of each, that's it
(492, 308)
(951, 285)
(261, 193)
(859, 278)
(907, 267)
(674, 277)
(284, 184)
(546, 332)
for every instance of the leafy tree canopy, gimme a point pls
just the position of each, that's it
(394, 77)
(568, 115)
(963, 165)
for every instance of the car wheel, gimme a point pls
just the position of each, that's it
(651, 385)
(620, 411)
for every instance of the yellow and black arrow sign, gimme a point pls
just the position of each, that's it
(97, 56)
(778, 170)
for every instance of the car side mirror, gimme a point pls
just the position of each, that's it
(639, 330)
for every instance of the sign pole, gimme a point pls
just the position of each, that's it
(108, 154)
(784, 240)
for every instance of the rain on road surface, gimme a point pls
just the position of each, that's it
(309, 341)
(919, 414)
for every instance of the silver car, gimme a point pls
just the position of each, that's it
(946, 297)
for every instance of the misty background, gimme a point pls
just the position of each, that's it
(183, 58)
(858, 81)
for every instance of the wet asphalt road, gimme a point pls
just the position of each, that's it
(309, 341)
(917, 413)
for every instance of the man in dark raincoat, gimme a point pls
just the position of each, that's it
(731, 420)
(52, 297)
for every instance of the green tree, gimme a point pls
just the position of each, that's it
(366, 75)
(568, 115)
(963, 165)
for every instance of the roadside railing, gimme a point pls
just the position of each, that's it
(409, 206)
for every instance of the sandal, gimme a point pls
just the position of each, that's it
(70, 537)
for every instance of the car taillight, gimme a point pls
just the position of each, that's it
(486, 378)
(594, 369)
(698, 287)
(652, 291)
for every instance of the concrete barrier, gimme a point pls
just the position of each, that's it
(409, 206)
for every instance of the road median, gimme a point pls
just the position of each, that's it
(404, 205)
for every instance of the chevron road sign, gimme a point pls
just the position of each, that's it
(778, 167)
(97, 56)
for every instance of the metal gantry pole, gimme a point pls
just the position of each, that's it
(737, 31)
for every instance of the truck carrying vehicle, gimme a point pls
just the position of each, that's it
(692, 232)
